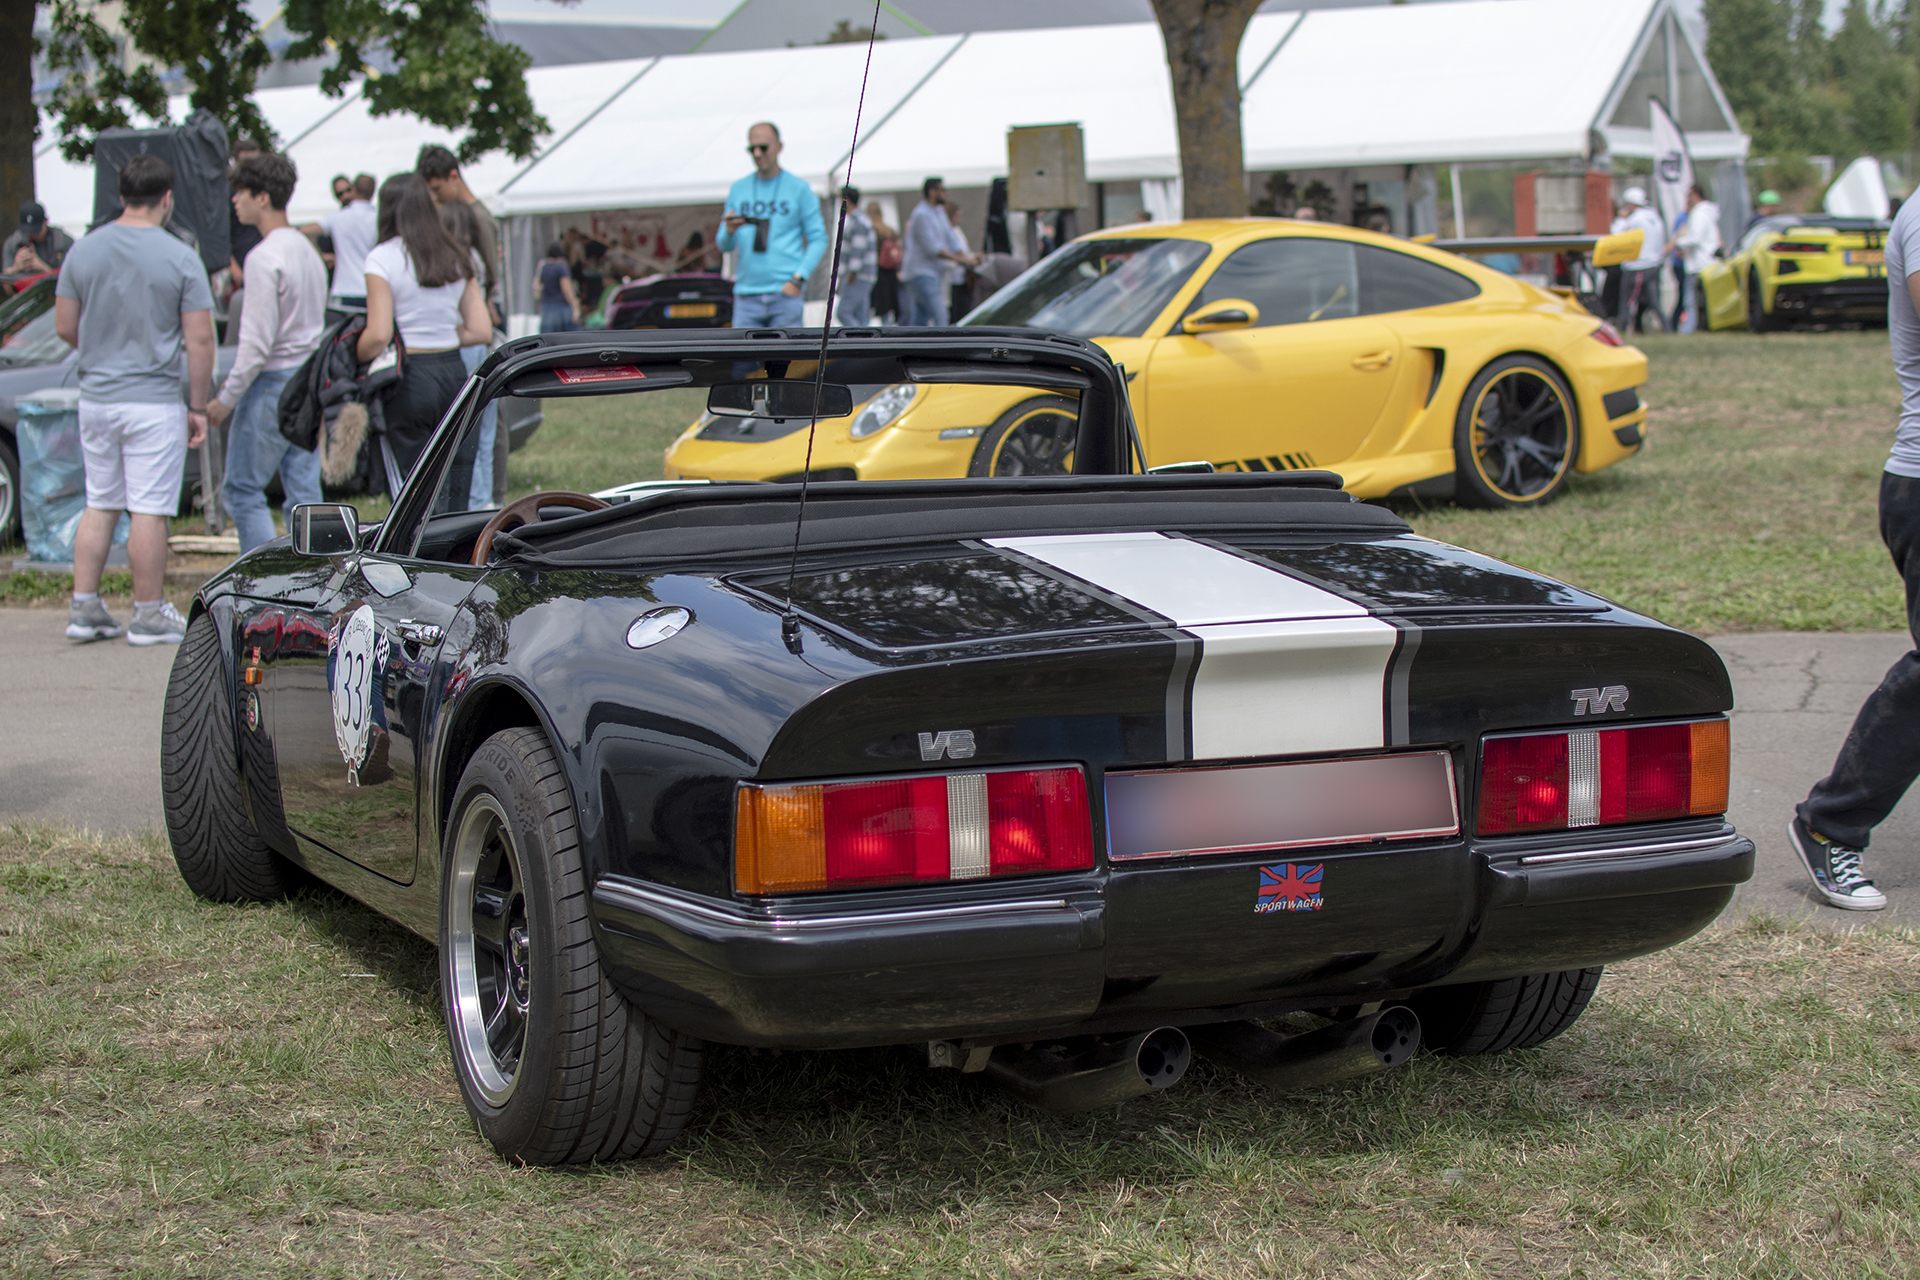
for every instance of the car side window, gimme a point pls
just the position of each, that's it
(1392, 281)
(1292, 279)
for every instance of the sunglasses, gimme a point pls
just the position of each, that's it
(755, 148)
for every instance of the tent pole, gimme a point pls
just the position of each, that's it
(1459, 205)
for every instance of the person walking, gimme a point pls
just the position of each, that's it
(783, 242)
(559, 303)
(352, 228)
(441, 170)
(859, 262)
(465, 229)
(1880, 757)
(421, 286)
(37, 245)
(1697, 244)
(959, 275)
(279, 330)
(131, 298)
(928, 251)
(1765, 205)
(1640, 279)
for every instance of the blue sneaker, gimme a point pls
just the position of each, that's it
(1835, 870)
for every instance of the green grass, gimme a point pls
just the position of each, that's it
(1751, 508)
(196, 1090)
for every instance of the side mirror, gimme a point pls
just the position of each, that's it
(779, 398)
(324, 529)
(1228, 313)
(1624, 246)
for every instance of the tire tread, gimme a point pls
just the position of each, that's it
(1506, 1014)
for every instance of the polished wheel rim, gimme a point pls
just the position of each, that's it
(1039, 443)
(492, 950)
(1522, 430)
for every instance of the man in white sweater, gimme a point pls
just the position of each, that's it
(279, 328)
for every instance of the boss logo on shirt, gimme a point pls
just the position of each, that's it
(763, 208)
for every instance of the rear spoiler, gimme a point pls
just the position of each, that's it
(1604, 251)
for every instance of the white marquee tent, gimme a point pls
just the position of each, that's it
(1516, 81)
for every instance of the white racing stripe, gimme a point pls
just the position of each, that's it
(1285, 667)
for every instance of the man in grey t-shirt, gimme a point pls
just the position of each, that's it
(134, 300)
(1881, 755)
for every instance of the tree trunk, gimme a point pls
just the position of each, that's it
(17, 115)
(1203, 53)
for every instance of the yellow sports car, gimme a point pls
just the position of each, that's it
(1801, 268)
(1257, 344)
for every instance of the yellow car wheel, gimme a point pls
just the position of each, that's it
(1516, 436)
(1034, 438)
(1758, 321)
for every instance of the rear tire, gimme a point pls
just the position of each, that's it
(9, 490)
(1512, 1013)
(554, 1064)
(1758, 321)
(220, 854)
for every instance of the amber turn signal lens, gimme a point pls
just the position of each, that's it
(1711, 746)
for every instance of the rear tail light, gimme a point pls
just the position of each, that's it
(955, 826)
(1609, 335)
(1596, 777)
(1799, 246)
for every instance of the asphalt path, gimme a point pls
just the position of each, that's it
(82, 745)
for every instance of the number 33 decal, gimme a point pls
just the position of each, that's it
(351, 677)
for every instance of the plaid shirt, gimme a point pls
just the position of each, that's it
(859, 249)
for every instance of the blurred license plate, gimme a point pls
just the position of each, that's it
(697, 310)
(1866, 258)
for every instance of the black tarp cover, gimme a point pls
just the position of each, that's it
(197, 150)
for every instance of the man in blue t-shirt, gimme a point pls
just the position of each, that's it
(774, 220)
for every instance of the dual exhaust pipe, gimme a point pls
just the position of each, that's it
(1112, 1071)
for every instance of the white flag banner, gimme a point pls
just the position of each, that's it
(1672, 167)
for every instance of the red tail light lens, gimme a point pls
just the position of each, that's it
(1597, 777)
(957, 826)
(1799, 246)
(1609, 335)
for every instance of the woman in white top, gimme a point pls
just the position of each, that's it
(420, 283)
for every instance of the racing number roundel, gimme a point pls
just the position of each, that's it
(352, 678)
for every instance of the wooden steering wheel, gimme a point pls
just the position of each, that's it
(527, 511)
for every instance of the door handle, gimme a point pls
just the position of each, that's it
(421, 633)
(1373, 360)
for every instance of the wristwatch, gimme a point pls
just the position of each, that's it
(798, 279)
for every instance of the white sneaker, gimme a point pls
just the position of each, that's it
(90, 621)
(159, 624)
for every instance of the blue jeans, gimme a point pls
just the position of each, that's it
(856, 303)
(926, 301)
(767, 311)
(480, 496)
(556, 317)
(255, 450)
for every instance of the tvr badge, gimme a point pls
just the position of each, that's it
(1600, 701)
(953, 744)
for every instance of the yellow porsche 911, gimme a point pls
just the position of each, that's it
(1801, 269)
(1256, 344)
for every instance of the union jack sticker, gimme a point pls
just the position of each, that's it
(1290, 887)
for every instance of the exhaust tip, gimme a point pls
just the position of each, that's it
(1396, 1034)
(1164, 1057)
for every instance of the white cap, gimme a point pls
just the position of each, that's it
(1636, 195)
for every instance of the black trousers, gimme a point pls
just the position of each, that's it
(1639, 294)
(1881, 756)
(414, 408)
(1680, 296)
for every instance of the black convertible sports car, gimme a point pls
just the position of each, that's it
(1062, 777)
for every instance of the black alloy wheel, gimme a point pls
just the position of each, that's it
(9, 489)
(1758, 321)
(1516, 435)
(554, 1065)
(1034, 438)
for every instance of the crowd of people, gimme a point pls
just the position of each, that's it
(1687, 248)
(411, 266)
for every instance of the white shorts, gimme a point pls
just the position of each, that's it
(135, 455)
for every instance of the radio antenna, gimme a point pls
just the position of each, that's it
(790, 621)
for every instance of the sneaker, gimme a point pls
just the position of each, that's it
(1835, 870)
(90, 621)
(161, 624)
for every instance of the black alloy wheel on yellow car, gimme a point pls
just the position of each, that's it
(554, 1064)
(1034, 438)
(1516, 435)
(1758, 321)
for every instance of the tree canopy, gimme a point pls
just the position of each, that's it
(1800, 90)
